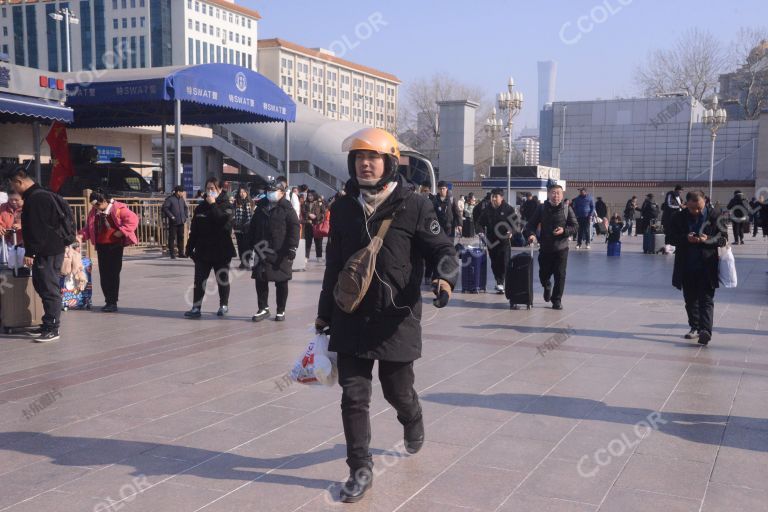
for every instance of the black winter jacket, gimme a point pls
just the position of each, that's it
(678, 236)
(210, 235)
(274, 236)
(498, 222)
(175, 210)
(387, 324)
(40, 219)
(552, 217)
(445, 212)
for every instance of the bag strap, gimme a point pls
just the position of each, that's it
(382, 232)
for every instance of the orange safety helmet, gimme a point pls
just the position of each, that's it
(373, 139)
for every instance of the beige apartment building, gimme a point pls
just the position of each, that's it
(337, 88)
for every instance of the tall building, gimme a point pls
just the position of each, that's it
(529, 147)
(547, 80)
(129, 33)
(338, 88)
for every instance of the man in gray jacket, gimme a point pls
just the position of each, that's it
(176, 212)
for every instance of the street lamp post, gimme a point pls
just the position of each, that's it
(492, 128)
(510, 103)
(713, 118)
(68, 17)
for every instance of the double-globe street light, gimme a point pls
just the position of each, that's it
(68, 17)
(714, 118)
(510, 103)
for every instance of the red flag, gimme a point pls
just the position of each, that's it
(61, 165)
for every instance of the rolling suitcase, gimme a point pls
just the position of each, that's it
(474, 270)
(76, 299)
(300, 261)
(20, 305)
(518, 282)
(614, 248)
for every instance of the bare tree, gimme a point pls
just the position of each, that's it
(418, 116)
(692, 65)
(749, 83)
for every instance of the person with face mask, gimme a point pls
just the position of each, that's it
(273, 236)
(111, 225)
(210, 245)
(383, 321)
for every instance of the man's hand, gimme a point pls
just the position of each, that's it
(28, 262)
(442, 291)
(320, 324)
(209, 199)
(692, 238)
(558, 231)
(312, 216)
(703, 238)
(532, 239)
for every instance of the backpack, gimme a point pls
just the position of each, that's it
(356, 276)
(66, 228)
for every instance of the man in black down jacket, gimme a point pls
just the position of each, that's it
(739, 209)
(443, 202)
(176, 212)
(558, 224)
(210, 245)
(387, 324)
(274, 236)
(44, 248)
(696, 233)
(500, 222)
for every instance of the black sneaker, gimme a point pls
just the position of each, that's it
(260, 315)
(110, 308)
(280, 317)
(48, 337)
(413, 435)
(360, 480)
(173, 256)
(547, 294)
(34, 333)
(557, 305)
(704, 337)
(693, 334)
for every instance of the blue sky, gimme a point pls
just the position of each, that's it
(484, 42)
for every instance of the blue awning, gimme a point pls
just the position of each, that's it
(24, 109)
(209, 94)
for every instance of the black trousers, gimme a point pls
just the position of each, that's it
(241, 245)
(499, 255)
(308, 238)
(176, 234)
(355, 378)
(45, 280)
(553, 264)
(699, 299)
(221, 272)
(584, 232)
(738, 231)
(110, 265)
(262, 294)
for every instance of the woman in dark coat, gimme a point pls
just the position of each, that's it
(210, 245)
(243, 212)
(273, 236)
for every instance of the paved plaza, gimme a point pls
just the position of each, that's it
(602, 406)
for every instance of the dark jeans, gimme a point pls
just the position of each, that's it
(355, 378)
(584, 230)
(221, 272)
(110, 265)
(241, 248)
(499, 256)
(308, 238)
(176, 235)
(262, 294)
(699, 299)
(738, 231)
(45, 279)
(553, 264)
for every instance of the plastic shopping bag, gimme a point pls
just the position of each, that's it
(317, 366)
(727, 270)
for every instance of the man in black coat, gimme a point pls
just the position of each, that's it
(649, 213)
(696, 234)
(386, 326)
(443, 202)
(601, 209)
(529, 207)
(500, 222)
(558, 223)
(274, 237)
(44, 246)
(739, 209)
(176, 213)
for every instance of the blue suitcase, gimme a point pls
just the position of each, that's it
(75, 299)
(614, 248)
(474, 270)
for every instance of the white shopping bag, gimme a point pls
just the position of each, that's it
(727, 270)
(317, 366)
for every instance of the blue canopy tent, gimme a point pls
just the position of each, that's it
(200, 95)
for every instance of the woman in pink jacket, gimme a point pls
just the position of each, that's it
(111, 226)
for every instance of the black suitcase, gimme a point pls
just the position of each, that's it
(518, 284)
